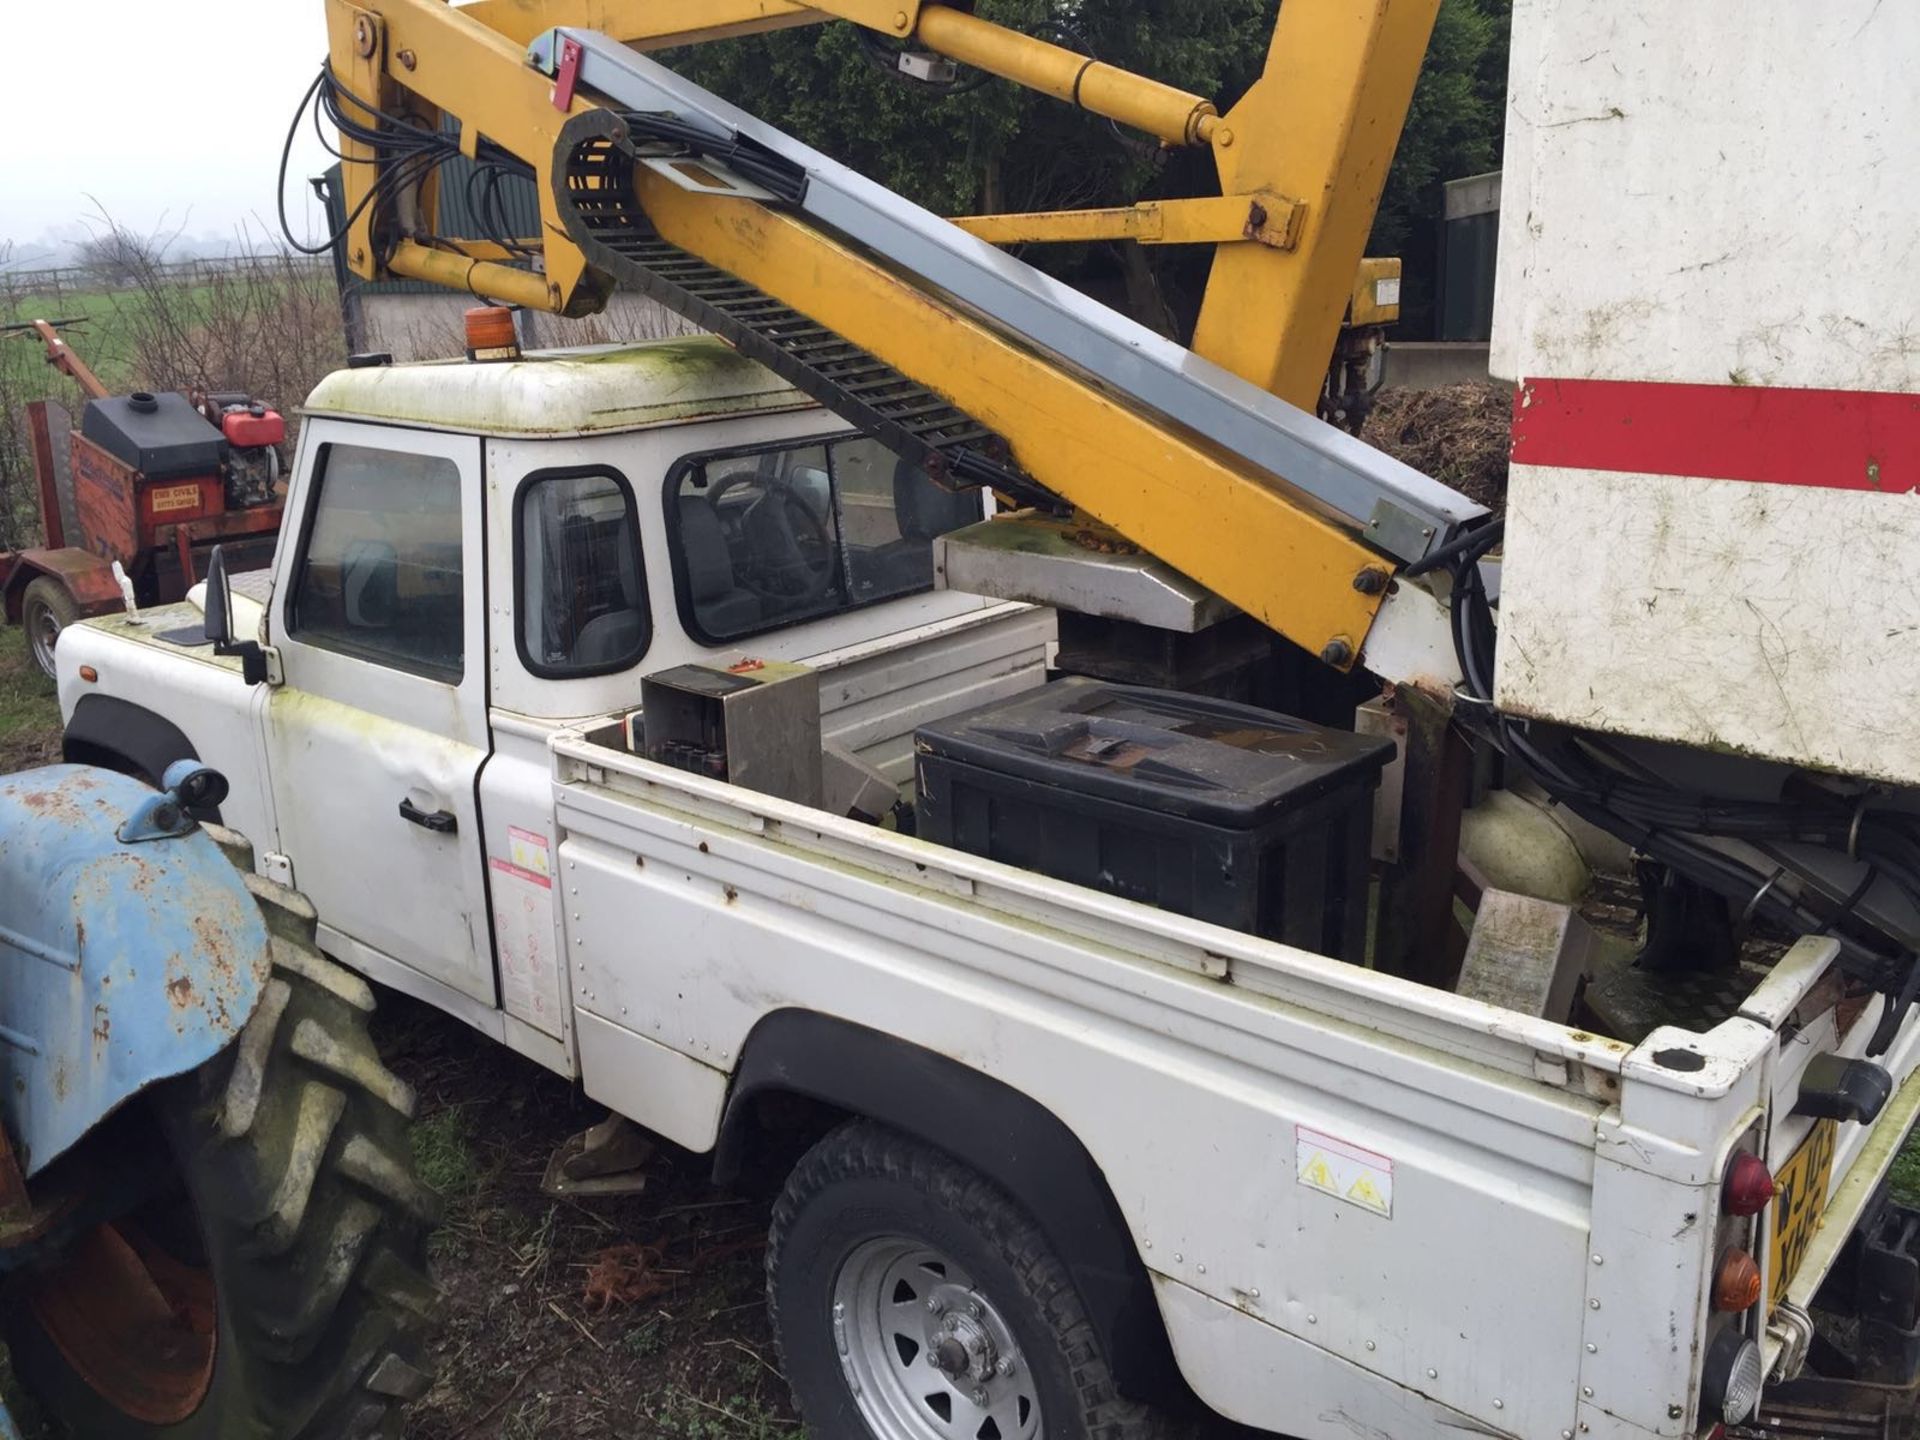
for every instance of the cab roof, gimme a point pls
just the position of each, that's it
(587, 390)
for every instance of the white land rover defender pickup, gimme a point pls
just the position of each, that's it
(582, 697)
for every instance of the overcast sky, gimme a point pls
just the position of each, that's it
(167, 112)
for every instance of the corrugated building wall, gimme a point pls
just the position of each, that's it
(414, 320)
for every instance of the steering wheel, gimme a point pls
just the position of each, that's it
(789, 546)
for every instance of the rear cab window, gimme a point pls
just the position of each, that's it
(583, 601)
(774, 535)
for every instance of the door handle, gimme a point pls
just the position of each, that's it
(441, 822)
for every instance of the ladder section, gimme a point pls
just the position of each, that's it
(1400, 512)
(943, 385)
(596, 198)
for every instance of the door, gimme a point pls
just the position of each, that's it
(376, 739)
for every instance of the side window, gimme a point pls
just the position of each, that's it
(380, 570)
(583, 603)
(772, 537)
(890, 513)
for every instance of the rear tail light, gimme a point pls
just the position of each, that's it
(1748, 1186)
(1736, 1283)
(1730, 1384)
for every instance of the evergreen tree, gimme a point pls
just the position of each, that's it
(993, 146)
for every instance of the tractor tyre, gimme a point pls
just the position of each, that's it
(46, 610)
(277, 1289)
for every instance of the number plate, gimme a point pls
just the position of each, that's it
(1800, 1194)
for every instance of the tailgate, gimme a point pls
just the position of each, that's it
(1827, 1169)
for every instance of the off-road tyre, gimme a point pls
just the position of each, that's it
(47, 610)
(864, 1182)
(293, 1147)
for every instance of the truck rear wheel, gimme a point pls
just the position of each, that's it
(274, 1285)
(45, 610)
(913, 1299)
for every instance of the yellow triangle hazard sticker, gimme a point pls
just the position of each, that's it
(1364, 1192)
(1318, 1175)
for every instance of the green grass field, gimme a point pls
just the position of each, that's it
(102, 341)
(29, 711)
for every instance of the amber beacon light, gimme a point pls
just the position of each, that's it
(490, 334)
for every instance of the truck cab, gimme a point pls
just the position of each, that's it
(480, 554)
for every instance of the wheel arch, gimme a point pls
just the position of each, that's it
(117, 734)
(1006, 1135)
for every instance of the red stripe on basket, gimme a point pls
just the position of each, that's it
(1837, 439)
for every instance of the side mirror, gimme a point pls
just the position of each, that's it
(217, 623)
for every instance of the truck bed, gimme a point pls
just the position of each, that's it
(1460, 1135)
(696, 910)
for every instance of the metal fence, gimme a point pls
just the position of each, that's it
(71, 279)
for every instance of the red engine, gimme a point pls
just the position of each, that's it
(254, 425)
(253, 434)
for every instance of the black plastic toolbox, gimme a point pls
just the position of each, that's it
(1240, 816)
(161, 435)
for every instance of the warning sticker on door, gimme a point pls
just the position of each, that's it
(1343, 1170)
(523, 931)
(527, 850)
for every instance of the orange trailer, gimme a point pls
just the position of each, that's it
(150, 482)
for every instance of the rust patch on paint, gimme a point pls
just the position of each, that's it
(219, 975)
(57, 805)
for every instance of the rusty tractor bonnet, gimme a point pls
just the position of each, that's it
(130, 949)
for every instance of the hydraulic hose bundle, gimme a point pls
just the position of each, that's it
(406, 153)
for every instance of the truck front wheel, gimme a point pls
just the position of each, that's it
(913, 1299)
(266, 1274)
(45, 610)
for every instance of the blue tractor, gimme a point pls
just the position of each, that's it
(209, 1220)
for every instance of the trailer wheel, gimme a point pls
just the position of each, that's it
(46, 609)
(913, 1299)
(274, 1285)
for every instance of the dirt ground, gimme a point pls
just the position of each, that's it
(623, 1317)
